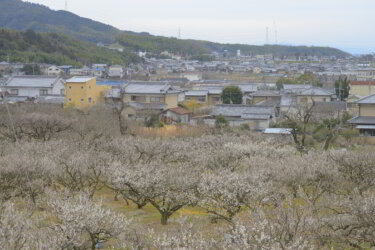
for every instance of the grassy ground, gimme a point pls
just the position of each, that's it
(149, 217)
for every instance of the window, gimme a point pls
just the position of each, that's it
(138, 99)
(70, 99)
(90, 99)
(201, 99)
(43, 92)
(304, 99)
(156, 99)
(324, 99)
(82, 87)
(70, 87)
(82, 100)
(62, 92)
(217, 99)
(14, 91)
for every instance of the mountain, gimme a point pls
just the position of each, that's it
(53, 48)
(19, 15)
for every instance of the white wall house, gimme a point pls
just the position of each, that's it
(54, 71)
(34, 86)
(116, 71)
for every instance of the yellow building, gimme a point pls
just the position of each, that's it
(362, 88)
(365, 121)
(82, 92)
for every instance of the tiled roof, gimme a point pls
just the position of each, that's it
(266, 93)
(240, 110)
(248, 87)
(362, 120)
(135, 88)
(296, 86)
(32, 81)
(367, 100)
(316, 92)
(196, 93)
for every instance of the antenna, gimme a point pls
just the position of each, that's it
(66, 5)
(267, 35)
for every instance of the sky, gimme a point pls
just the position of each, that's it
(343, 24)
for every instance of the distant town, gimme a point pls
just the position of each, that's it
(191, 92)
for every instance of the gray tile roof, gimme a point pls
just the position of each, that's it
(367, 100)
(212, 90)
(296, 86)
(246, 88)
(196, 93)
(316, 92)
(240, 110)
(135, 88)
(368, 120)
(266, 93)
(32, 81)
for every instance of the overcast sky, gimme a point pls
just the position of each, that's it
(345, 24)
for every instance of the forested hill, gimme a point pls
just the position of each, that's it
(158, 44)
(53, 48)
(19, 15)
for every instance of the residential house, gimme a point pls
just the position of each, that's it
(264, 96)
(31, 87)
(4, 66)
(214, 94)
(362, 88)
(176, 115)
(152, 93)
(366, 74)
(83, 92)
(257, 117)
(365, 121)
(54, 71)
(116, 71)
(307, 96)
(85, 71)
(199, 97)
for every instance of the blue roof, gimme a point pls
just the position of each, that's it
(111, 83)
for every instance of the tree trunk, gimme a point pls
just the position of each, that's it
(141, 205)
(164, 218)
(327, 142)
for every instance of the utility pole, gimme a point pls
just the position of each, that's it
(267, 35)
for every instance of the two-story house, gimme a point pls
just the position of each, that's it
(34, 86)
(365, 121)
(152, 93)
(83, 92)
